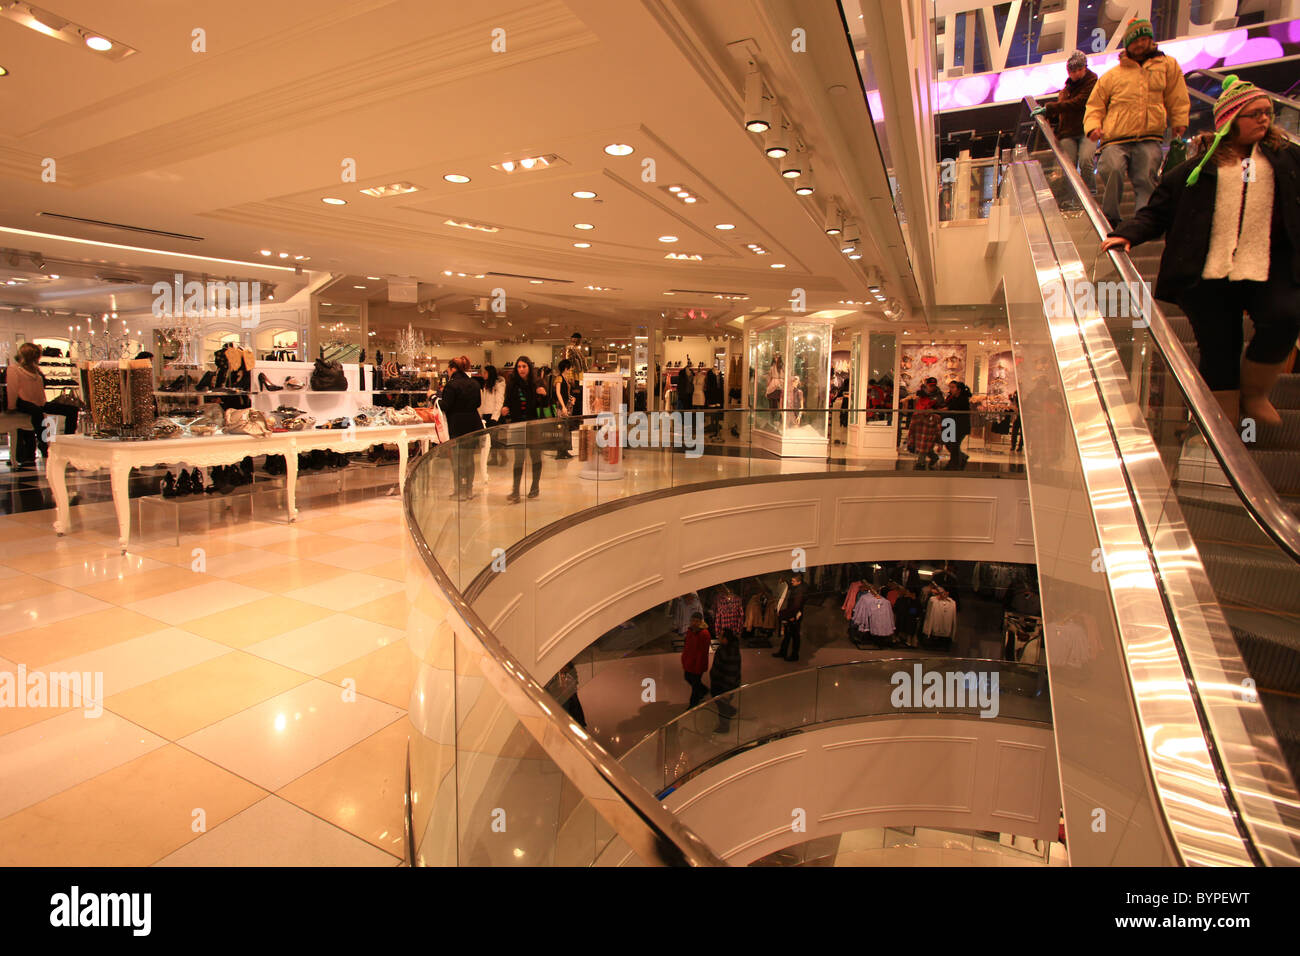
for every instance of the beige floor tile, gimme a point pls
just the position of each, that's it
(183, 555)
(326, 523)
(16, 718)
(347, 591)
(140, 587)
(139, 660)
(289, 577)
(240, 563)
(393, 570)
(387, 674)
(391, 610)
(362, 789)
(359, 557)
(273, 832)
(57, 557)
(21, 614)
(53, 755)
(370, 532)
(212, 596)
(115, 567)
(311, 546)
(133, 815)
(256, 621)
(282, 738)
(77, 635)
(326, 644)
(198, 696)
(23, 586)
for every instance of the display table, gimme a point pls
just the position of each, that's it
(119, 457)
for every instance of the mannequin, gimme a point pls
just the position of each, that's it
(775, 385)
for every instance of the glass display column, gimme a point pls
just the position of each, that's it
(875, 433)
(790, 371)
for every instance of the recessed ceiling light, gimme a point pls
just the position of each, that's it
(300, 258)
(374, 278)
(725, 225)
(667, 238)
(689, 199)
(54, 275)
(478, 226)
(674, 189)
(284, 255)
(331, 201)
(266, 252)
(582, 245)
(392, 189)
(358, 287)
(534, 281)
(99, 43)
(778, 265)
(618, 149)
(3, 71)
(583, 194)
(583, 225)
(456, 178)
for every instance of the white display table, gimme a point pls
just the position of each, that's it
(119, 457)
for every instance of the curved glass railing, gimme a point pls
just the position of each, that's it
(753, 714)
(500, 775)
(1199, 534)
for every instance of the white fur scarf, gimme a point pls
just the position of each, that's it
(1243, 254)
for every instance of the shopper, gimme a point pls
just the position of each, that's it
(563, 397)
(1127, 114)
(25, 385)
(790, 614)
(494, 396)
(577, 357)
(685, 385)
(724, 676)
(460, 399)
(956, 423)
(1066, 114)
(713, 398)
(695, 658)
(1231, 219)
(523, 396)
(1017, 435)
(923, 432)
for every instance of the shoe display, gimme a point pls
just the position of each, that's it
(196, 482)
(265, 385)
(168, 486)
(204, 383)
(184, 484)
(293, 384)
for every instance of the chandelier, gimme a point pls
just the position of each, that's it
(100, 342)
(410, 342)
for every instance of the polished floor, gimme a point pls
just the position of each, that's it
(919, 846)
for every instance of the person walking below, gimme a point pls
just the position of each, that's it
(1127, 114)
(923, 429)
(25, 386)
(790, 614)
(724, 676)
(460, 401)
(494, 396)
(957, 424)
(565, 394)
(1066, 114)
(1231, 218)
(695, 658)
(524, 393)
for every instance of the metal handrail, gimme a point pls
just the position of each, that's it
(1257, 494)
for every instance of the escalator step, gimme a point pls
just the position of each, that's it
(1281, 467)
(1286, 393)
(1273, 659)
(1284, 716)
(1280, 437)
(1263, 579)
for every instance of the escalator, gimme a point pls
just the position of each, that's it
(1237, 502)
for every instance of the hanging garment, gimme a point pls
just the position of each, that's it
(875, 615)
(760, 612)
(851, 602)
(682, 609)
(727, 612)
(940, 617)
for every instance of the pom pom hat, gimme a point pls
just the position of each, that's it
(1236, 94)
(1138, 28)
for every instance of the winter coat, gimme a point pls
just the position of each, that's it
(695, 652)
(460, 400)
(724, 675)
(1136, 101)
(960, 407)
(521, 398)
(1067, 110)
(1185, 216)
(493, 399)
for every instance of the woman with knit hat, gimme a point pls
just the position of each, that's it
(1232, 221)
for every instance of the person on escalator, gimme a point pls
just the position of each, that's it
(1127, 114)
(1066, 115)
(1232, 224)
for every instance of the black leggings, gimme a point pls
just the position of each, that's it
(533, 452)
(1214, 307)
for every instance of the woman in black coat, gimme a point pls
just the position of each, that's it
(1232, 222)
(460, 400)
(525, 392)
(957, 405)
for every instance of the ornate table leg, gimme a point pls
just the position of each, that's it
(291, 481)
(56, 470)
(120, 475)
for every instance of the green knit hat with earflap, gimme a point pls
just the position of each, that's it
(1236, 94)
(1138, 27)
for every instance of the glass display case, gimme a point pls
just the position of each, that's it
(790, 364)
(875, 361)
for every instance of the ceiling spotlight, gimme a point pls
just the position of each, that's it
(618, 149)
(778, 265)
(266, 252)
(791, 165)
(834, 221)
(582, 245)
(776, 141)
(807, 184)
(374, 278)
(674, 189)
(758, 109)
(331, 201)
(667, 238)
(456, 178)
(851, 236)
(284, 255)
(583, 225)
(583, 194)
(725, 226)
(99, 43)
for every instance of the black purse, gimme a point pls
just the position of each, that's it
(328, 377)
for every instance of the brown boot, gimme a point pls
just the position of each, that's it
(1257, 381)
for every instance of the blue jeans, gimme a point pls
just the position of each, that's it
(1081, 151)
(1140, 161)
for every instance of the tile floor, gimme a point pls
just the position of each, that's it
(252, 706)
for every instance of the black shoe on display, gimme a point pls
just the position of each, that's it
(196, 482)
(184, 484)
(204, 383)
(169, 485)
(265, 385)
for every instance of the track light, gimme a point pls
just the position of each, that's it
(758, 109)
(776, 141)
(807, 184)
(834, 221)
(792, 165)
(850, 237)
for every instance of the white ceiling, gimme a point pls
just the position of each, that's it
(239, 144)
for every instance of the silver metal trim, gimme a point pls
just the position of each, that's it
(1258, 496)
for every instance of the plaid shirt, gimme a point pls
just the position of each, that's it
(924, 432)
(728, 612)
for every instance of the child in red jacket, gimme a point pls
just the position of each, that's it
(695, 657)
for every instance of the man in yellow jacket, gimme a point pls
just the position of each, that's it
(1127, 114)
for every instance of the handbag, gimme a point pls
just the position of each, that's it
(328, 377)
(440, 430)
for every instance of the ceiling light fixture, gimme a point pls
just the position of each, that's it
(692, 256)
(758, 109)
(396, 189)
(725, 226)
(458, 178)
(102, 44)
(778, 265)
(583, 225)
(582, 245)
(266, 252)
(477, 226)
(528, 164)
(583, 194)
(332, 201)
(618, 149)
(792, 165)
(834, 221)
(776, 141)
(851, 236)
(667, 238)
(807, 184)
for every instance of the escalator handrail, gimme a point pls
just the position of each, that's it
(1258, 496)
(1220, 77)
